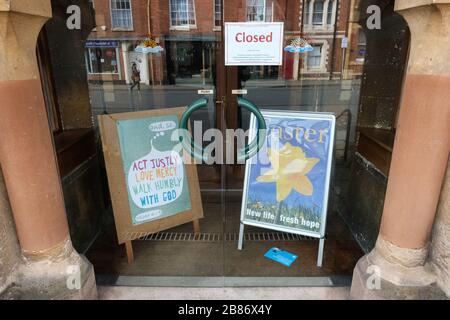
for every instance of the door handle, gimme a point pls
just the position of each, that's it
(185, 138)
(243, 154)
(258, 142)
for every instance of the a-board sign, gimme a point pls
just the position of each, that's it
(152, 187)
(253, 43)
(286, 184)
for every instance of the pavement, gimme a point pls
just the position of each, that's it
(256, 293)
(343, 84)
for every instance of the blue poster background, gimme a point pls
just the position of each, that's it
(312, 138)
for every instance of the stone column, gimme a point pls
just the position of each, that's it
(440, 246)
(419, 161)
(27, 157)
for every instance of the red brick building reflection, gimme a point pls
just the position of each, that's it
(189, 31)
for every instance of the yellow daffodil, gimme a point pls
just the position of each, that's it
(289, 169)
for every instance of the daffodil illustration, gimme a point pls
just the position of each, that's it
(289, 169)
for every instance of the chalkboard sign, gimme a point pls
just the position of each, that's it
(152, 187)
(287, 182)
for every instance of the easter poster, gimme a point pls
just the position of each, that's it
(287, 182)
(155, 175)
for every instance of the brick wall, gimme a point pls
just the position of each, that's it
(289, 11)
(285, 10)
(103, 18)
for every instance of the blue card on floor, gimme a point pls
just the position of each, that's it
(281, 256)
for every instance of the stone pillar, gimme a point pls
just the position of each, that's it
(29, 165)
(9, 245)
(419, 161)
(440, 246)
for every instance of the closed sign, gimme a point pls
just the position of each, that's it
(253, 43)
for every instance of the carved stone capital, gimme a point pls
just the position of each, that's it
(41, 8)
(20, 24)
(429, 22)
(407, 4)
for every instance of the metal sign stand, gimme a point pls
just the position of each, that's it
(319, 252)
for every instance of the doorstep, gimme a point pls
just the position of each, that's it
(249, 293)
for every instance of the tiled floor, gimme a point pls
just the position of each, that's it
(219, 257)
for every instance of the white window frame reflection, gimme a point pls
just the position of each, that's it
(322, 66)
(269, 12)
(331, 12)
(216, 13)
(180, 26)
(327, 14)
(318, 12)
(121, 11)
(317, 57)
(255, 5)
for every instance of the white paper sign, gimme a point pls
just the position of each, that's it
(253, 43)
(344, 42)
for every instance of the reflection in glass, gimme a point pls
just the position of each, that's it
(318, 12)
(121, 15)
(327, 79)
(182, 13)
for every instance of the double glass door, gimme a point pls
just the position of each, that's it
(187, 62)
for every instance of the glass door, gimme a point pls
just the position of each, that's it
(151, 55)
(319, 71)
(147, 56)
